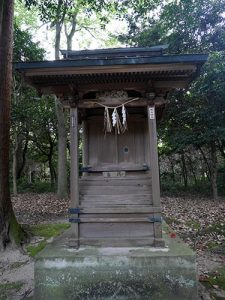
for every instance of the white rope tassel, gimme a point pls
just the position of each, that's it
(124, 117)
(108, 124)
(119, 126)
(114, 115)
(107, 121)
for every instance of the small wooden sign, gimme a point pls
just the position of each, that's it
(114, 174)
(152, 113)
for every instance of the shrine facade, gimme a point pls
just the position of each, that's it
(115, 98)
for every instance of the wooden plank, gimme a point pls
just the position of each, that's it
(128, 176)
(116, 230)
(118, 190)
(74, 171)
(111, 197)
(118, 215)
(122, 209)
(115, 220)
(118, 242)
(114, 184)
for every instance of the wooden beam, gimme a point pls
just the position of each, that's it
(110, 69)
(74, 173)
(91, 103)
(154, 166)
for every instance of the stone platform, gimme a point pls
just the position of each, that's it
(116, 273)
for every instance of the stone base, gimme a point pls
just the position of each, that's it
(116, 273)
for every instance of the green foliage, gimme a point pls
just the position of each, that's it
(194, 224)
(187, 25)
(24, 49)
(198, 116)
(218, 228)
(170, 188)
(218, 278)
(24, 18)
(39, 186)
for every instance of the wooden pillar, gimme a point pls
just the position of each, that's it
(74, 176)
(154, 171)
(85, 144)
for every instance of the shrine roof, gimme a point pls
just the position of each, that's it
(85, 61)
(106, 68)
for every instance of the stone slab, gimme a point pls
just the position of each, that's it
(116, 273)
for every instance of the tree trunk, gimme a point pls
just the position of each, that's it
(70, 35)
(206, 163)
(10, 231)
(57, 39)
(14, 165)
(184, 170)
(51, 167)
(62, 134)
(52, 173)
(21, 157)
(192, 169)
(213, 170)
(62, 151)
(172, 170)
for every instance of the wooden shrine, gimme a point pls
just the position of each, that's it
(115, 195)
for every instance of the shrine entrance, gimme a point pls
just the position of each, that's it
(116, 152)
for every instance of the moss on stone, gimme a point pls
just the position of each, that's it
(17, 234)
(7, 288)
(46, 231)
(33, 250)
(49, 230)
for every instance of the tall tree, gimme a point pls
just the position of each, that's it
(187, 25)
(59, 13)
(9, 229)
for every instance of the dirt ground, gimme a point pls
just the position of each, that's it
(198, 221)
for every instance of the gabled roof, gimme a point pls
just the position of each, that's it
(114, 52)
(114, 68)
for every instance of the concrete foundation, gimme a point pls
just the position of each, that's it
(116, 273)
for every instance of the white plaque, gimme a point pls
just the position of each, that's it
(152, 113)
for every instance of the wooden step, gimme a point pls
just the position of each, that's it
(123, 209)
(101, 178)
(123, 191)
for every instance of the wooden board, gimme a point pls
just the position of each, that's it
(117, 151)
(122, 209)
(116, 230)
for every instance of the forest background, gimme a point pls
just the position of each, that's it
(191, 136)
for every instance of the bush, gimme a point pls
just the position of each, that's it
(35, 187)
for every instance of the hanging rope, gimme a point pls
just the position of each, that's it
(112, 107)
(114, 119)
